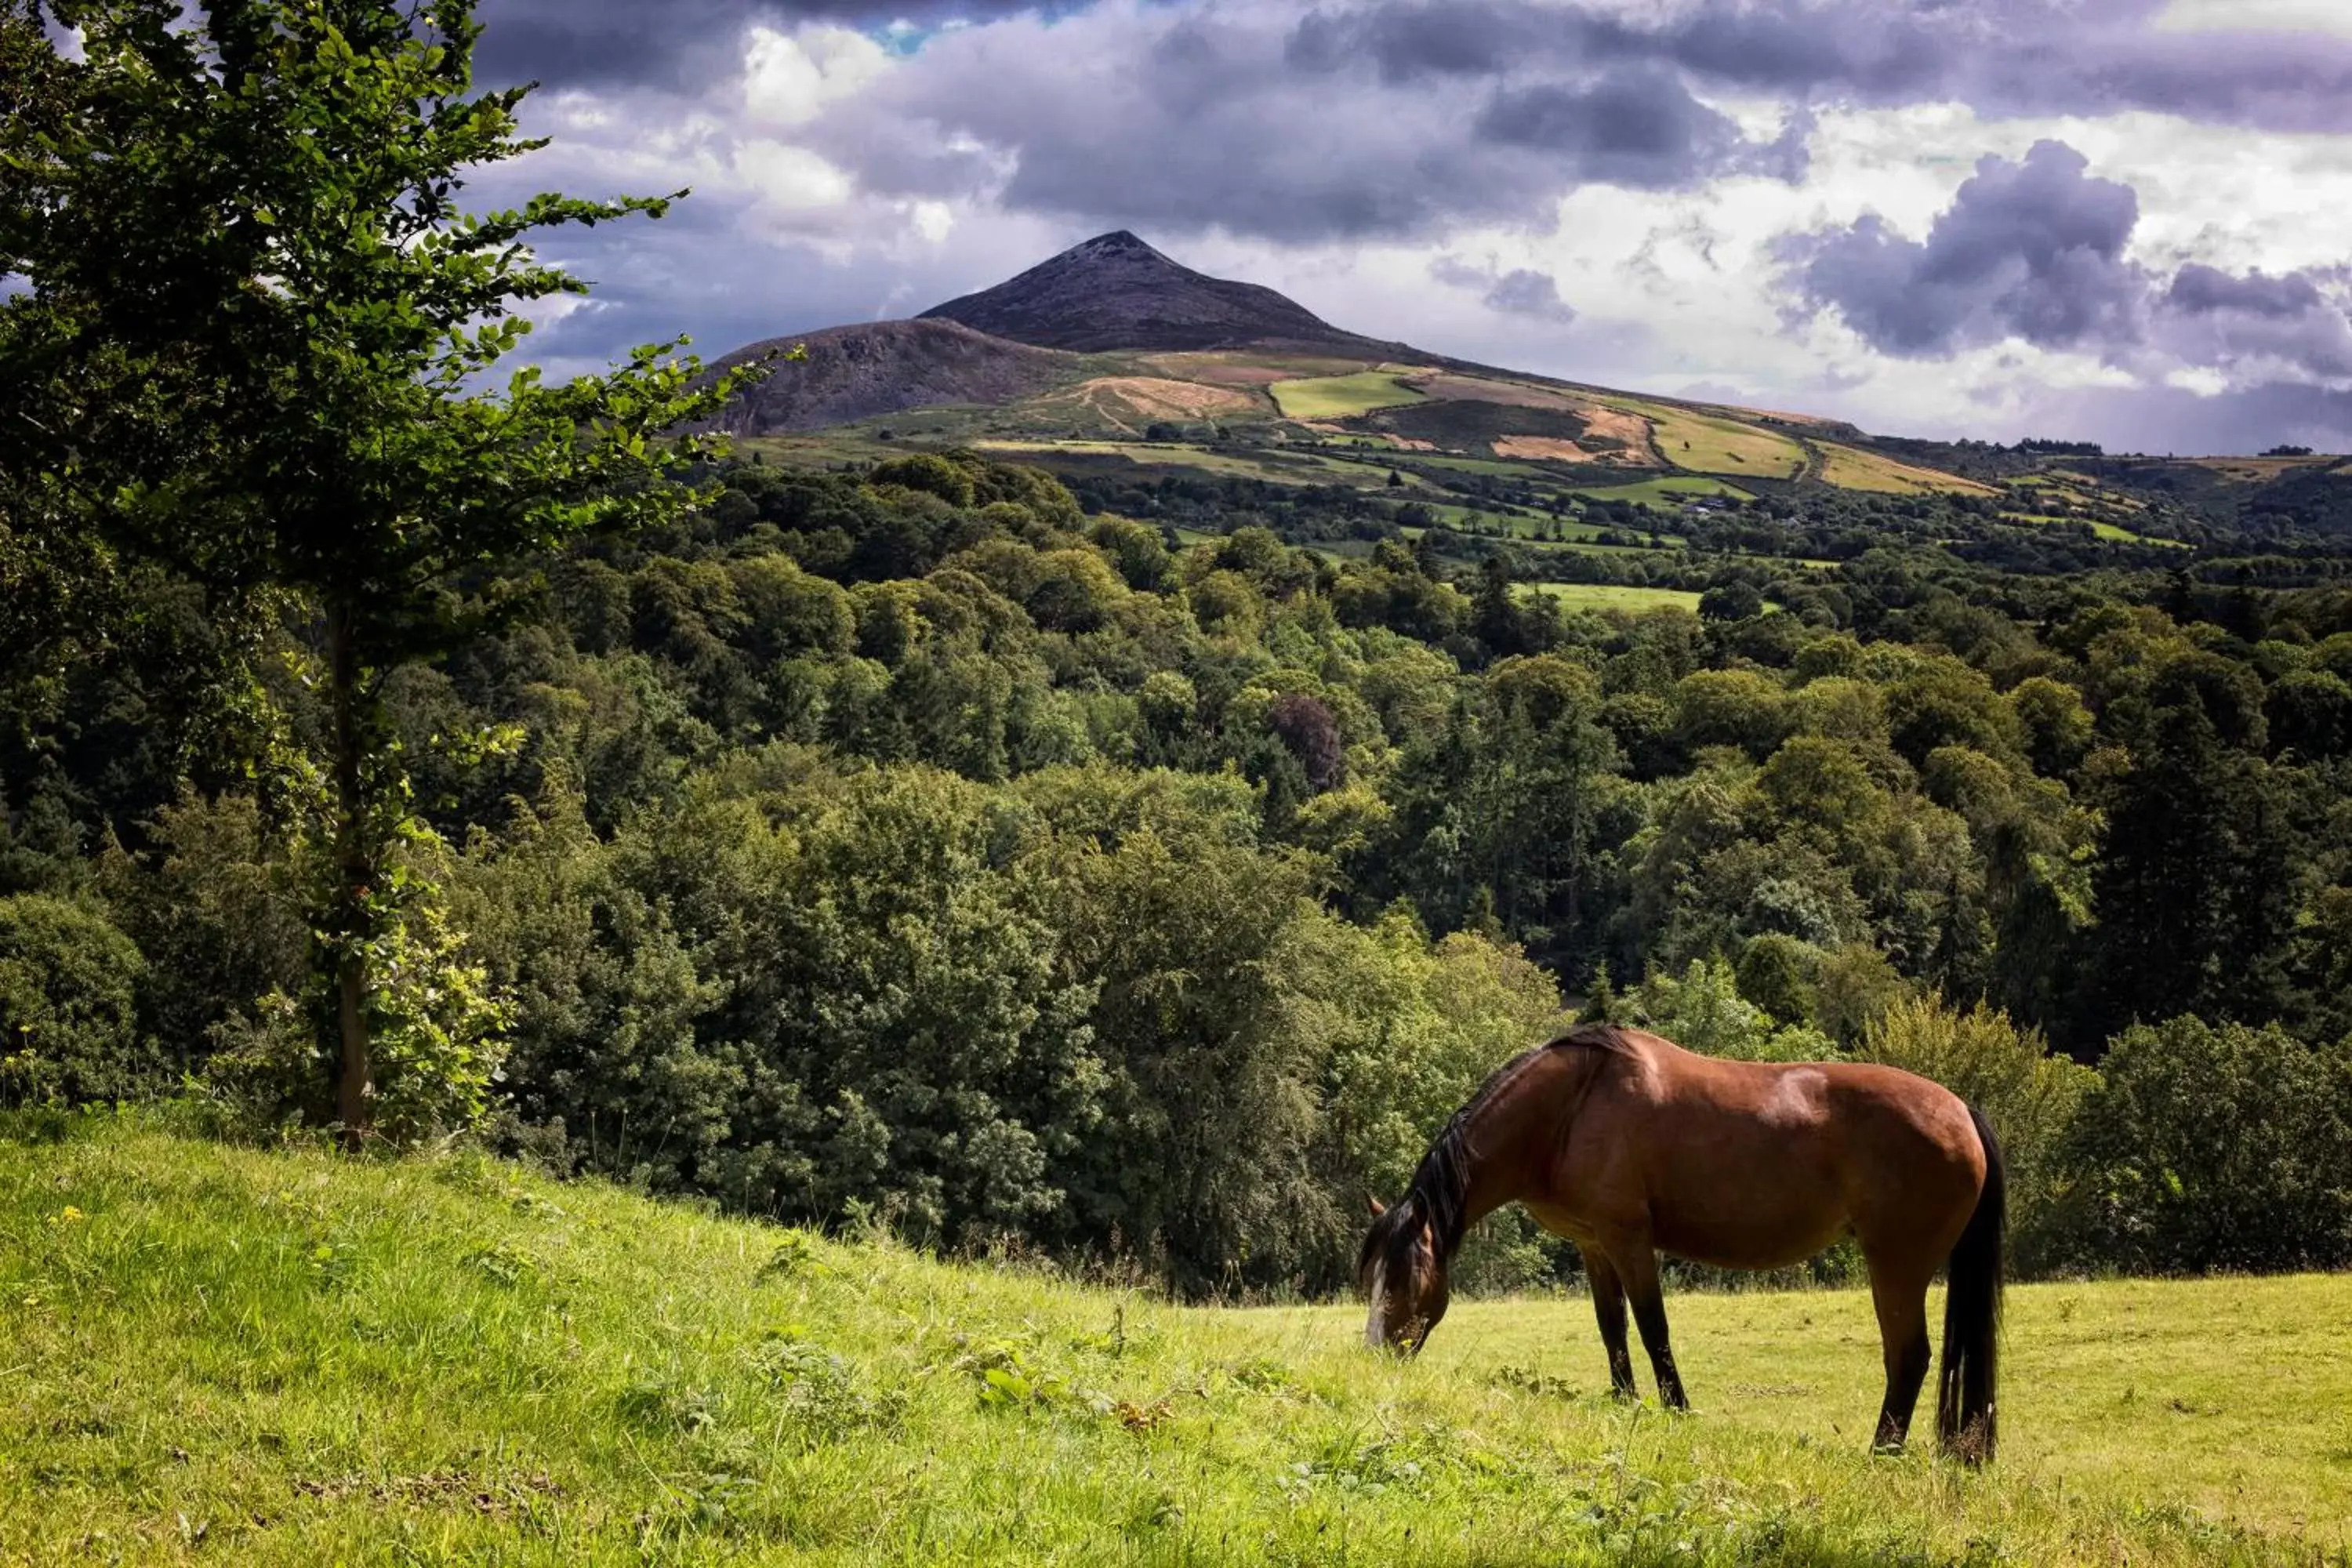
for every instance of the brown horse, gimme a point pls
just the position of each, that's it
(1629, 1145)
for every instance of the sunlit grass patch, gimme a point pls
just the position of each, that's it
(1850, 468)
(215, 1353)
(1341, 396)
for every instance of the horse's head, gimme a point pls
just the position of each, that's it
(1404, 1273)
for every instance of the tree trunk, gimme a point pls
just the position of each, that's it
(355, 870)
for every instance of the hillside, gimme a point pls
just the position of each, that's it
(1113, 341)
(1115, 292)
(881, 367)
(219, 1354)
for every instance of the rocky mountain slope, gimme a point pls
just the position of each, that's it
(1115, 292)
(882, 367)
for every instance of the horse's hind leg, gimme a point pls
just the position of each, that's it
(1899, 1291)
(1609, 1306)
(1637, 1266)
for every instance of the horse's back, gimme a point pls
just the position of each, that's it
(1821, 1145)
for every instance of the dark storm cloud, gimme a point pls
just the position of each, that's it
(2034, 250)
(2257, 323)
(2021, 57)
(1872, 50)
(681, 44)
(1522, 291)
(2164, 419)
(2031, 249)
(1204, 122)
(1641, 130)
(2201, 290)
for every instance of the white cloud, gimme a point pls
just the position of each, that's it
(789, 79)
(833, 171)
(2258, 15)
(789, 178)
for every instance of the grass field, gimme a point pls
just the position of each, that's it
(1268, 463)
(1341, 396)
(2103, 530)
(217, 1354)
(1851, 468)
(1615, 597)
(1707, 444)
(1670, 491)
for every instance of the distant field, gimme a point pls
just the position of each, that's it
(1274, 465)
(1852, 470)
(2104, 529)
(1615, 597)
(1672, 490)
(2262, 470)
(1239, 367)
(1129, 403)
(1709, 444)
(1341, 396)
(1502, 467)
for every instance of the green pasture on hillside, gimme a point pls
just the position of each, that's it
(1340, 397)
(1668, 491)
(1850, 468)
(1710, 444)
(217, 1354)
(1615, 597)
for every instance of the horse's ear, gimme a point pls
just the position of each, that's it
(1373, 1204)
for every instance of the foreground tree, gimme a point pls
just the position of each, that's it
(254, 350)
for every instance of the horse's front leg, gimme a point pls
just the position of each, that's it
(1609, 1306)
(1637, 1267)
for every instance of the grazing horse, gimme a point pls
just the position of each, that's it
(1629, 1145)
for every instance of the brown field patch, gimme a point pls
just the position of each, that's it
(2258, 470)
(1471, 389)
(1127, 400)
(1184, 399)
(1620, 425)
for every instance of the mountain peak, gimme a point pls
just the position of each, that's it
(1117, 239)
(1115, 291)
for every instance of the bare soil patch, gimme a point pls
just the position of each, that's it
(1630, 428)
(1153, 396)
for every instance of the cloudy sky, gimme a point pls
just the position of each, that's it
(2122, 220)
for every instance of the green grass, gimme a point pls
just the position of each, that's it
(1850, 468)
(1710, 444)
(1669, 491)
(1615, 597)
(218, 1354)
(1340, 397)
(1504, 467)
(2109, 531)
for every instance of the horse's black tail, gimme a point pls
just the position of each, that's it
(1964, 1404)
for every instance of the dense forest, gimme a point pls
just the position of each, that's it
(910, 840)
(918, 841)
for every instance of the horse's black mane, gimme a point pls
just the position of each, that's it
(1439, 1194)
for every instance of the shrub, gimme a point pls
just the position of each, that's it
(2210, 1147)
(69, 1005)
(216, 904)
(1703, 1011)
